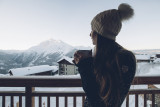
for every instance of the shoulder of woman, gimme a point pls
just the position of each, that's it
(126, 59)
(125, 54)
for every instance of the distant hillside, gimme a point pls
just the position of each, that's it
(46, 53)
(148, 51)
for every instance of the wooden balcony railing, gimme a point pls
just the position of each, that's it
(48, 81)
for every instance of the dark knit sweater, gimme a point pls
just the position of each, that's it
(127, 66)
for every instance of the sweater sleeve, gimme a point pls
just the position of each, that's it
(85, 68)
(127, 66)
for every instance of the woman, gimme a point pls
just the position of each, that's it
(107, 76)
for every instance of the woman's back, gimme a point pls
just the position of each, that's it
(124, 62)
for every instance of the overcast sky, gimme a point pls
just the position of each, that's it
(26, 23)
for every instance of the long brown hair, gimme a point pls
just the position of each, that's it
(106, 71)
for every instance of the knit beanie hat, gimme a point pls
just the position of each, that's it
(108, 23)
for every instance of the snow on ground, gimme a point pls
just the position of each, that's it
(148, 69)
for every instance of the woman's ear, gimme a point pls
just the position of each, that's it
(95, 34)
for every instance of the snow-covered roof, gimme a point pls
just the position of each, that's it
(157, 60)
(153, 55)
(142, 57)
(32, 70)
(67, 59)
(158, 86)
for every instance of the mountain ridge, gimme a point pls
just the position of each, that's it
(47, 52)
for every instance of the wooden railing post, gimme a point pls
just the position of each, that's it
(33, 98)
(127, 101)
(28, 99)
(12, 103)
(3, 101)
(17, 104)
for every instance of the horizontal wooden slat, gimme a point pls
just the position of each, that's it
(144, 91)
(47, 81)
(51, 81)
(12, 93)
(73, 93)
(50, 93)
(146, 80)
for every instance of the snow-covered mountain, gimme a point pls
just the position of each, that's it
(47, 52)
(51, 46)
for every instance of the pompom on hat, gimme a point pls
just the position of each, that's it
(108, 23)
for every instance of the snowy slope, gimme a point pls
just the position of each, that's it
(148, 69)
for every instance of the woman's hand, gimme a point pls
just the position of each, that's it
(79, 55)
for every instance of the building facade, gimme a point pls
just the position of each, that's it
(67, 67)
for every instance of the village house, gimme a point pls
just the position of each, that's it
(158, 55)
(155, 58)
(152, 58)
(67, 67)
(42, 70)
